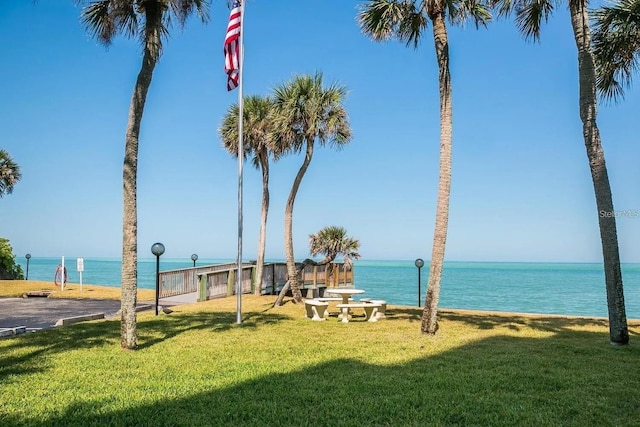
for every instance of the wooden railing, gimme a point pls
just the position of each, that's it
(185, 280)
(313, 276)
(216, 281)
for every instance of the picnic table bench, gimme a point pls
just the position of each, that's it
(370, 310)
(316, 310)
(383, 306)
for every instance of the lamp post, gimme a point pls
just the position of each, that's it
(28, 257)
(419, 263)
(157, 249)
(194, 258)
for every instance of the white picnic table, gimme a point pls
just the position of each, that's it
(346, 293)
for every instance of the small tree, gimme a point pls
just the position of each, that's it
(331, 242)
(9, 270)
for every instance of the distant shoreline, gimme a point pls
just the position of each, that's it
(206, 261)
(9, 288)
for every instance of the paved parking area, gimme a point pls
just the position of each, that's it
(43, 313)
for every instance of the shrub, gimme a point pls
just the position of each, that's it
(8, 267)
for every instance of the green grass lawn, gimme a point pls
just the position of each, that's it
(196, 366)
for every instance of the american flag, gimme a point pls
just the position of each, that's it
(232, 47)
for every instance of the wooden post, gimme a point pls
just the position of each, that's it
(253, 278)
(330, 279)
(353, 282)
(203, 287)
(230, 282)
(315, 276)
(273, 279)
(345, 274)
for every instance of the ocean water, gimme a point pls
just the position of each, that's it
(545, 288)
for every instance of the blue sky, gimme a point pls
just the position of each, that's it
(521, 187)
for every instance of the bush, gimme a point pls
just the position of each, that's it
(8, 268)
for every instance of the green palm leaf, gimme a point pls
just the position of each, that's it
(616, 47)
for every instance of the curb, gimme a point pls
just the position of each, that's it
(141, 307)
(77, 319)
(7, 332)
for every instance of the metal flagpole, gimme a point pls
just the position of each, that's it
(240, 165)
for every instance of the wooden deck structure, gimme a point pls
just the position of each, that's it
(216, 281)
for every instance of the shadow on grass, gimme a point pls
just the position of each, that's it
(96, 335)
(160, 329)
(496, 381)
(514, 322)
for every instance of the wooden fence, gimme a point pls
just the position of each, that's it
(215, 281)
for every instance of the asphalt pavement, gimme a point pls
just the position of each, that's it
(43, 313)
(37, 313)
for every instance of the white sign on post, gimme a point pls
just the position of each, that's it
(80, 268)
(63, 276)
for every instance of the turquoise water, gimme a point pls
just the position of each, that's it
(546, 288)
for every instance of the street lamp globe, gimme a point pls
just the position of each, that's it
(157, 249)
(419, 263)
(194, 258)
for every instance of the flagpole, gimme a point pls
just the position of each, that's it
(240, 165)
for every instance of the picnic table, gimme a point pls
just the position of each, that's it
(345, 293)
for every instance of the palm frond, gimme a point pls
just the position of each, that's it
(99, 22)
(9, 173)
(288, 134)
(332, 241)
(529, 16)
(385, 19)
(503, 7)
(183, 9)
(411, 28)
(257, 128)
(462, 11)
(616, 47)
(106, 19)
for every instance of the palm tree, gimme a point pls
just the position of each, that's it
(616, 46)
(529, 15)
(256, 133)
(305, 112)
(9, 173)
(333, 241)
(406, 20)
(149, 21)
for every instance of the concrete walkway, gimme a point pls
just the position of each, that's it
(180, 299)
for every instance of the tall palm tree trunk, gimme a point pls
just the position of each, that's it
(429, 315)
(292, 273)
(128, 333)
(618, 331)
(264, 162)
